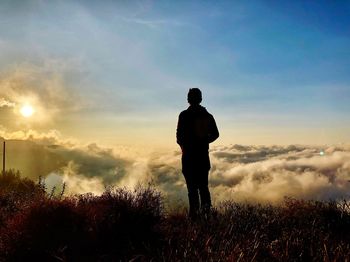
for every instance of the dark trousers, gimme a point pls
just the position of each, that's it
(195, 167)
(197, 185)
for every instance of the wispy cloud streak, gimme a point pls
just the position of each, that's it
(4, 102)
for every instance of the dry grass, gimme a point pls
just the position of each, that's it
(132, 226)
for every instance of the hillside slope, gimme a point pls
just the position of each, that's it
(134, 226)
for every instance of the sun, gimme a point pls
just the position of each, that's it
(27, 110)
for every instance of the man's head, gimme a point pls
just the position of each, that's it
(194, 96)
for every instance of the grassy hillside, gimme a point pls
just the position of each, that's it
(134, 226)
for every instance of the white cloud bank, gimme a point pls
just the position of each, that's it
(265, 174)
(240, 173)
(268, 174)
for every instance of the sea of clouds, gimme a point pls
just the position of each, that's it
(264, 174)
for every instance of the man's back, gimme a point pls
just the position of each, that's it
(196, 129)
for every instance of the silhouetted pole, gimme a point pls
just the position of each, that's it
(3, 158)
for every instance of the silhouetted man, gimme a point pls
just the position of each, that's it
(196, 128)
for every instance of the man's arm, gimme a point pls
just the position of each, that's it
(213, 130)
(180, 131)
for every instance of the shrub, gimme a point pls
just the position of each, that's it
(117, 225)
(16, 194)
(123, 225)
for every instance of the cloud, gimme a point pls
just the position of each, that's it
(47, 87)
(4, 102)
(83, 167)
(156, 23)
(50, 137)
(75, 183)
(275, 172)
(264, 174)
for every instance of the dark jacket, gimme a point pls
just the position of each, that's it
(196, 128)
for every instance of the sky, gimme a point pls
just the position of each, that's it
(118, 72)
(90, 93)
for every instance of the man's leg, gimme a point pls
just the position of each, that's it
(204, 192)
(193, 197)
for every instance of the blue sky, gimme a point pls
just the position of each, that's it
(271, 72)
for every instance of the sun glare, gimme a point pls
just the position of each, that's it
(27, 110)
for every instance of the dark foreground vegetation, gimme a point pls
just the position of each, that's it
(133, 226)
